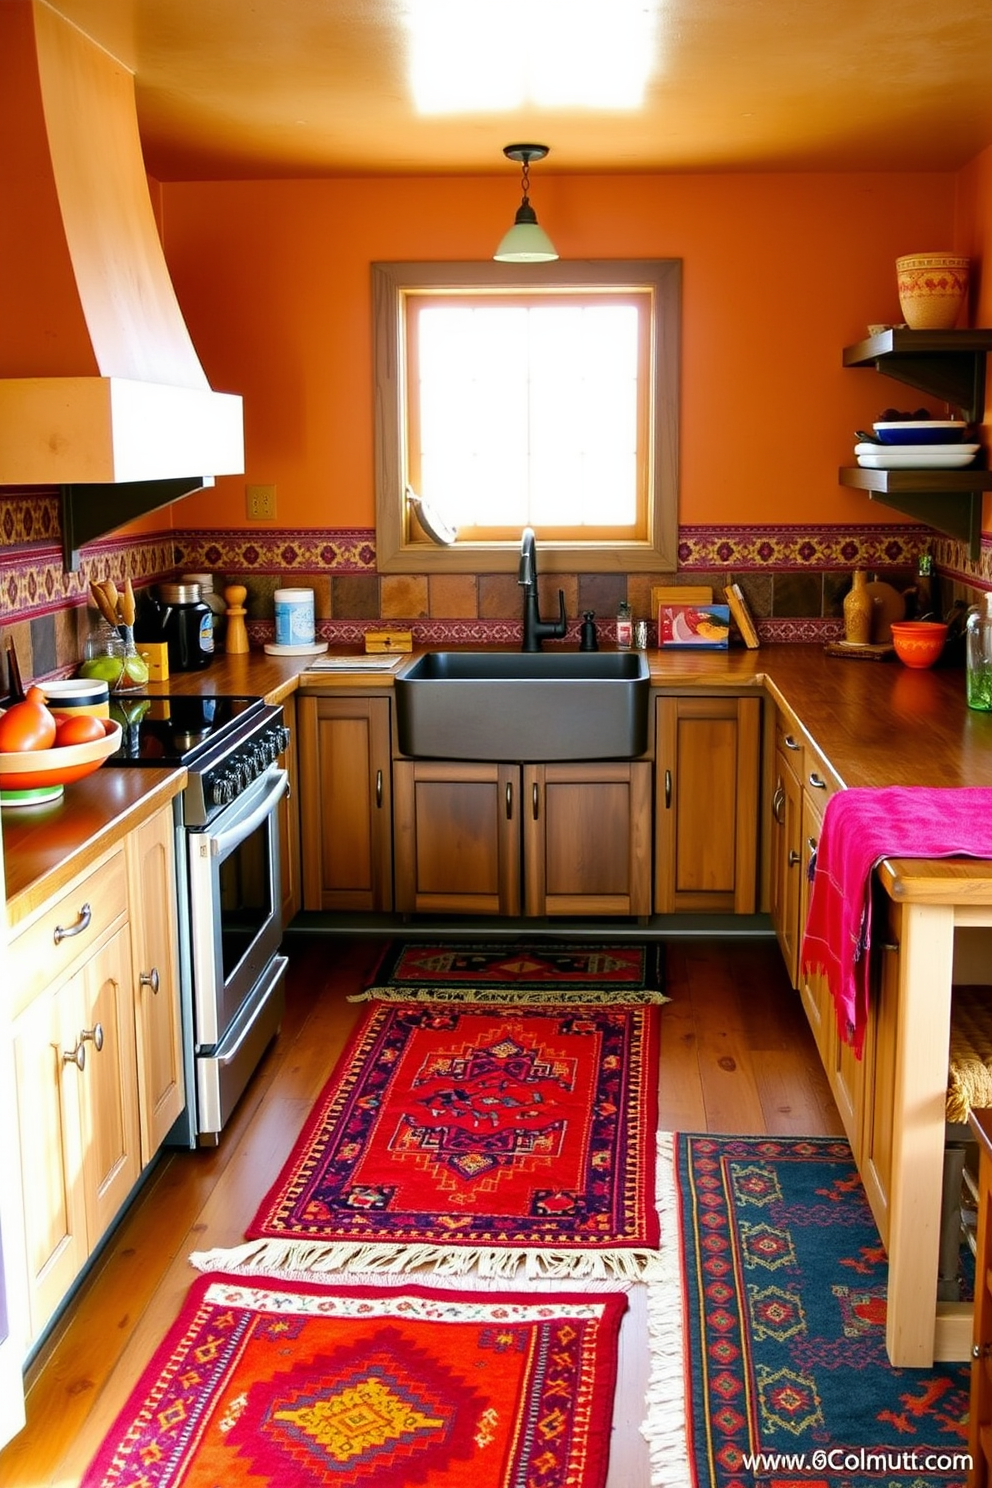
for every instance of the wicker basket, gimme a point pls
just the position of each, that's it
(932, 289)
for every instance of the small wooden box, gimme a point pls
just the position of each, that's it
(388, 640)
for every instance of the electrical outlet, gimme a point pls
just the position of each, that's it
(260, 502)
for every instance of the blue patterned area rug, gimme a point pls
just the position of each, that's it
(783, 1290)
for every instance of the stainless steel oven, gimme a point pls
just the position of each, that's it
(228, 885)
(235, 932)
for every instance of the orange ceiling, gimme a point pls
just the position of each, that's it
(253, 88)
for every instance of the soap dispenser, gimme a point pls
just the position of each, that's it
(587, 635)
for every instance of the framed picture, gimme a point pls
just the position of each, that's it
(702, 627)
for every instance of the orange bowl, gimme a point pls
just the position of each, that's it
(43, 769)
(918, 643)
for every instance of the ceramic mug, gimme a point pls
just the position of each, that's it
(78, 695)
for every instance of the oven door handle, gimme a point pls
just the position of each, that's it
(226, 842)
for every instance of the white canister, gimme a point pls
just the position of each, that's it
(294, 617)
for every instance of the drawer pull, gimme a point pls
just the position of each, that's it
(509, 801)
(811, 844)
(817, 781)
(66, 932)
(778, 804)
(92, 1036)
(668, 790)
(378, 797)
(790, 742)
(150, 979)
(535, 800)
(888, 945)
(77, 1056)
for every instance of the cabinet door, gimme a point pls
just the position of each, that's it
(587, 839)
(345, 782)
(108, 1107)
(813, 989)
(457, 837)
(155, 978)
(881, 1042)
(706, 811)
(787, 862)
(51, 1157)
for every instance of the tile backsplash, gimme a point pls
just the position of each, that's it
(793, 577)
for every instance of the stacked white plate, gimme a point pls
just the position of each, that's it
(915, 456)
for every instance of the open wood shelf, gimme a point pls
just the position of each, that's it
(950, 366)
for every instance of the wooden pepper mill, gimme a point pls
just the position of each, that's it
(236, 638)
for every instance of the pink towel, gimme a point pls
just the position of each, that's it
(860, 828)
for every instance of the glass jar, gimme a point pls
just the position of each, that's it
(978, 655)
(110, 654)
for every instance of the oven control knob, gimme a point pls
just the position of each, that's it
(283, 733)
(217, 792)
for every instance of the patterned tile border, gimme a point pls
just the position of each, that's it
(800, 547)
(343, 550)
(32, 581)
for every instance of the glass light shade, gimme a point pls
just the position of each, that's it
(526, 242)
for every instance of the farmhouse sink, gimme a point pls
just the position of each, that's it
(525, 706)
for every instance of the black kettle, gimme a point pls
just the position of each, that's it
(178, 615)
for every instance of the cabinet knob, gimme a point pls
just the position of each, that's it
(76, 1056)
(794, 858)
(150, 979)
(66, 932)
(92, 1036)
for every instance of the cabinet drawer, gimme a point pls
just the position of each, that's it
(67, 929)
(789, 744)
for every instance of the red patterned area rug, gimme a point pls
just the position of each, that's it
(462, 1136)
(781, 1296)
(288, 1385)
(550, 972)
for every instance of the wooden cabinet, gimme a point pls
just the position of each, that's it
(706, 804)
(74, 1059)
(547, 839)
(97, 1051)
(150, 851)
(786, 839)
(587, 838)
(457, 837)
(345, 783)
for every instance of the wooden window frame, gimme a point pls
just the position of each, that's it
(400, 546)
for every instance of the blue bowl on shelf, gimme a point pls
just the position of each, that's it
(921, 431)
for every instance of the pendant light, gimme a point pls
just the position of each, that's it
(526, 241)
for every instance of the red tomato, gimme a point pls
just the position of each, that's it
(78, 728)
(27, 725)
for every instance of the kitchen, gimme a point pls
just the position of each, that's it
(786, 259)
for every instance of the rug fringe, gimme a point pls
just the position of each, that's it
(665, 1427)
(498, 996)
(301, 1257)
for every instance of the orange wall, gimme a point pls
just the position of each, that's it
(780, 272)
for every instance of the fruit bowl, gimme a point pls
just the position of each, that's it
(918, 643)
(32, 776)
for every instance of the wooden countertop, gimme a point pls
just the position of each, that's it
(46, 846)
(877, 723)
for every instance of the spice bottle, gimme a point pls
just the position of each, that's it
(978, 655)
(625, 626)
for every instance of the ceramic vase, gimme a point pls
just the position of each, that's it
(932, 289)
(858, 610)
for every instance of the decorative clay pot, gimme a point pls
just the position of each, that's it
(932, 289)
(859, 607)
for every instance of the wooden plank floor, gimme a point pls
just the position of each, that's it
(736, 1056)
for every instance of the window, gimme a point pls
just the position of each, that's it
(511, 396)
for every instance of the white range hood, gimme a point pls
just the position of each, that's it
(100, 383)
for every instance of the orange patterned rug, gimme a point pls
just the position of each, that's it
(458, 1135)
(287, 1385)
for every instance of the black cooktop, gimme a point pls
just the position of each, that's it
(176, 730)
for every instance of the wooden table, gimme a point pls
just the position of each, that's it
(939, 898)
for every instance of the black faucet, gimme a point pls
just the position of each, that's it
(536, 630)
